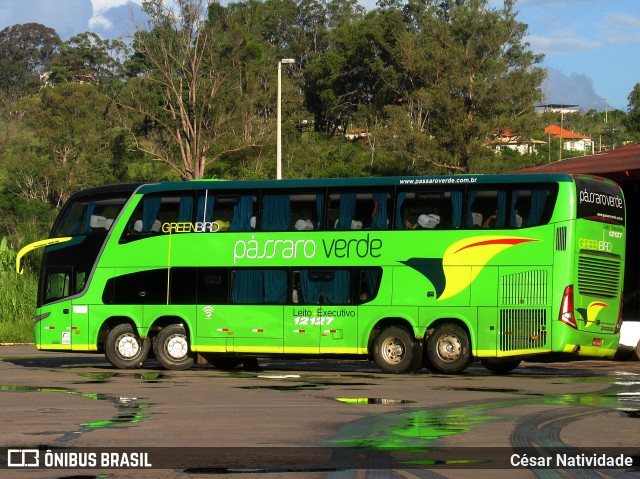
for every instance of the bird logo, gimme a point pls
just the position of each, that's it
(591, 312)
(462, 262)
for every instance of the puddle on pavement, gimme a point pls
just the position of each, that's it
(297, 383)
(292, 387)
(373, 401)
(102, 377)
(129, 410)
(491, 390)
(84, 476)
(416, 428)
(411, 429)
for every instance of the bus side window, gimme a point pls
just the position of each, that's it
(213, 286)
(324, 286)
(244, 218)
(307, 211)
(150, 214)
(487, 209)
(259, 286)
(369, 284)
(276, 212)
(425, 209)
(531, 207)
(341, 212)
(359, 210)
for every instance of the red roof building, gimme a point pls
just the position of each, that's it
(570, 141)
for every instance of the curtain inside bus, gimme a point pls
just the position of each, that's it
(538, 201)
(276, 216)
(247, 287)
(380, 220)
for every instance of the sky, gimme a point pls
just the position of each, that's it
(590, 46)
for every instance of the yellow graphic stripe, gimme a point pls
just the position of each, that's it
(593, 310)
(459, 258)
(37, 244)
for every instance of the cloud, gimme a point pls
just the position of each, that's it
(100, 19)
(100, 22)
(561, 44)
(101, 6)
(620, 28)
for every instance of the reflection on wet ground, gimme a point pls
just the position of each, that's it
(129, 410)
(101, 377)
(400, 426)
(423, 427)
(385, 401)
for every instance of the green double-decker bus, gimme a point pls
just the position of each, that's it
(408, 272)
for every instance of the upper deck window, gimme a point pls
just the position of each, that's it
(88, 215)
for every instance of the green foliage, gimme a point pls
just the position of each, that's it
(26, 52)
(17, 297)
(632, 121)
(87, 58)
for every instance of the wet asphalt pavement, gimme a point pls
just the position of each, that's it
(294, 419)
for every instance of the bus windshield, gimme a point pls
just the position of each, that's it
(83, 223)
(89, 215)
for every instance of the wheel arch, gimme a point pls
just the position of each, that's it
(463, 324)
(167, 320)
(381, 325)
(111, 323)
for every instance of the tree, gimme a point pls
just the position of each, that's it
(88, 58)
(193, 102)
(26, 52)
(72, 146)
(465, 72)
(632, 121)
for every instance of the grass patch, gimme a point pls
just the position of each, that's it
(17, 306)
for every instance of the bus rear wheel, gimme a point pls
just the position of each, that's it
(448, 349)
(124, 348)
(172, 348)
(396, 351)
(500, 366)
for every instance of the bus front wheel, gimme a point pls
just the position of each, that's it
(124, 348)
(448, 349)
(396, 351)
(172, 348)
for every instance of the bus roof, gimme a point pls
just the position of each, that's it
(460, 180)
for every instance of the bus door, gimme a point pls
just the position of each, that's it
(322, 318)
(67, 325)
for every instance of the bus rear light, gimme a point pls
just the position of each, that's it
(567, 315)
(596, 342)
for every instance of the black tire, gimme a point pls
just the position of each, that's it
(221, 362)
(449, 349)
(500, 366)
(625, 355)
(124, 348)
(172, 348)
(396, 351)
